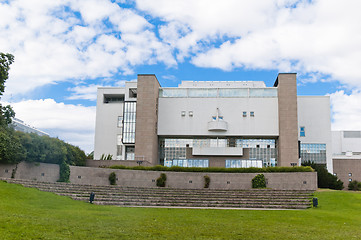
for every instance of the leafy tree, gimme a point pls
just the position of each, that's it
(324, 178)
(11, 150)
(6, 112)
(50, 150)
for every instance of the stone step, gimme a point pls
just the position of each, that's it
(69, 185)
(221, 197)
(195, 202)
(153, 197)
(155, 191)
(170, 191)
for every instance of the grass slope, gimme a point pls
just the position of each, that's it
(31, 214)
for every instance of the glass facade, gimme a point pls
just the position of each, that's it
(217, 92)
(129, 114)
(187, 163)
(314, 152)
(263, 150)
(244, 163)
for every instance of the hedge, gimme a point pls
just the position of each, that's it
(213, 169)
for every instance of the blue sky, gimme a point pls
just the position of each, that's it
(65, 49)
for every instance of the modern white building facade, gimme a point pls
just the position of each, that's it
(213, 124)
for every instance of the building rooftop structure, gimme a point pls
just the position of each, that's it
(20, 125)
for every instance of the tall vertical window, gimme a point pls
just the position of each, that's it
(120, 121)
(129, 115)
(129, 153)
(119, 147)
(302, 132)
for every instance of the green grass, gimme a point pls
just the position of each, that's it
(30, 214)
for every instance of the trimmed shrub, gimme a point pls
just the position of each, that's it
(214, 169)
(324, 178)
(207, 181)
(354, 185)
(161, 180)
(112, 178)
(64, 172)
(259, 181)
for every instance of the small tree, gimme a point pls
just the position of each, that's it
(112, 178)
(161, 181)
(64, 172)
(259, 181)
(207, 181)
(354, 185)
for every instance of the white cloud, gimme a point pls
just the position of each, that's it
(88, 92)
(346, 109)
(74, 124)
(301, 36)
(51, 44)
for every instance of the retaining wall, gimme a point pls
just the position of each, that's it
(138, 178)
(193, 180)
(42, 172)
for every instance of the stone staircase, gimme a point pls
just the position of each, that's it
(170, 197)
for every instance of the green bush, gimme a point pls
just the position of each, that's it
(213, 169)
(324, 178)
(64, 172)
(259, 181)
(161, 180)
(207, 181)
(14, 171)
(354, 185)
(112, 178)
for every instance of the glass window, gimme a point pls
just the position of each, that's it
(263, 92)
(233, 92)
(129, 117)
(302, 132)
(314, 152)
(173, 92)
(202, 92)
(113, 98)
(120, 121)
(129, 152)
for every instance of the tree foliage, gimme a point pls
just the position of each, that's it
(324, 178)
(11, 150)
(6, 112)
(50, 150)
(6, 60)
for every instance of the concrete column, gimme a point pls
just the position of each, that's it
(287, 119)
(146, 138)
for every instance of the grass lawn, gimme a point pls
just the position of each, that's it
(31, 214)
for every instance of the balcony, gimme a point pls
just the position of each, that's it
(217, 126)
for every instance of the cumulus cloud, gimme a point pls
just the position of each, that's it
(74, 124)
(71, 40)
(317, 37)
(346, 109)
(87, 92)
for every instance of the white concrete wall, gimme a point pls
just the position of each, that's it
(106, 129)
(337, 137)
(343, 145)
(264, 123)
(314, 114)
